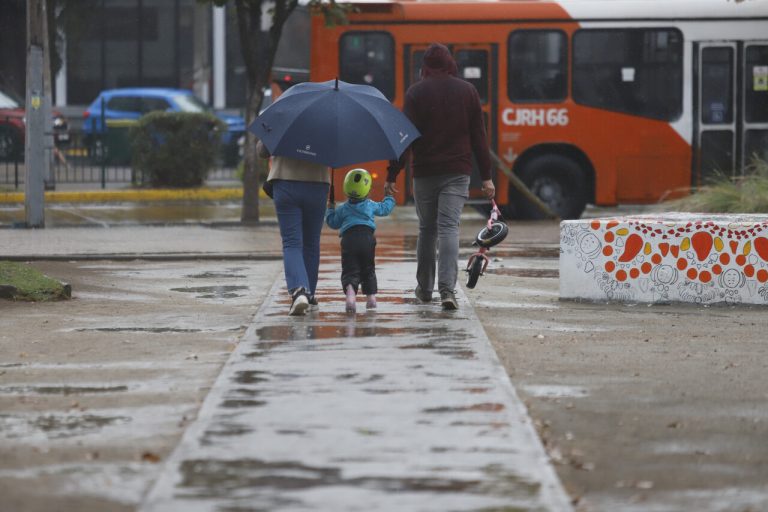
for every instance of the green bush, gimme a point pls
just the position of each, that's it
(176, 149)
(740, 194)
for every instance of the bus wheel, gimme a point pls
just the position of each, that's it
(558, 181)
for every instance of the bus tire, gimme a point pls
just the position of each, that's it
(558, 181)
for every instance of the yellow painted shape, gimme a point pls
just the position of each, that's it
(719, 244)
(747, 248)
(647, 250)
(686, 244)
(622, 232)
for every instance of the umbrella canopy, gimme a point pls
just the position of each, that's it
(335, 124)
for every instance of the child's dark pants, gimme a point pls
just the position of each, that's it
(358, 256)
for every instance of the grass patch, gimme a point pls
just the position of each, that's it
(725, 194)
(19, 281)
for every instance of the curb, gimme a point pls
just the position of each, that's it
(116, 196)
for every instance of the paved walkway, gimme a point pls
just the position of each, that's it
(401, 408)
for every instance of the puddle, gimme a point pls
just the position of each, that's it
(525, 272)
(250, 377)
(484, 407)
(555, 391)
(61, 390)
(350, 329)
(213, 292)
(217, 275)
(226, 478)
(242, 403)
(58, 426)
(155, 330)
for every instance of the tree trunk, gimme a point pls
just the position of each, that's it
(251, 185)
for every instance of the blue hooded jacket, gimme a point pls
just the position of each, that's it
(355, 214)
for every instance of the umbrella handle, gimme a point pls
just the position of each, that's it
(331, 196)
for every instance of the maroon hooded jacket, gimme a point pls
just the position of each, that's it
(446, 110)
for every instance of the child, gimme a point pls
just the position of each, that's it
(354, 220)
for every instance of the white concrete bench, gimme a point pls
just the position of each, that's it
(672, 257)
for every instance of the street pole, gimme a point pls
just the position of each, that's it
(34, 147)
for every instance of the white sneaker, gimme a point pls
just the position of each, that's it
(300, 302)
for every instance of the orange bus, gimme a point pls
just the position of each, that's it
(587, 101)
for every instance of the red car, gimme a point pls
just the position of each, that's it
(13, 129)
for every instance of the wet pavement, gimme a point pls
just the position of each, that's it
(405, 407)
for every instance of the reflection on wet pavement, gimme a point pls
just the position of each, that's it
(404, 407)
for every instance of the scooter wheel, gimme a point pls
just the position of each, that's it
(490, 237)
(473, 271)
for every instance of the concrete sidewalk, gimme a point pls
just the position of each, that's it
(405, 407)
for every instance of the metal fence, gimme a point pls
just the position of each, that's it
(101, 161)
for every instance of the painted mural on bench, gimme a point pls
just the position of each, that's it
(666, 258)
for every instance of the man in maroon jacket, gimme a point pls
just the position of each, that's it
(447, 112)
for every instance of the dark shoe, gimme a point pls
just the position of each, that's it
(422, 295)
(299, 302)
(448, 300)
(313, 303)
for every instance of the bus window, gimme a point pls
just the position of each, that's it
(417, 58)
(368, 58)
(537, 65)
(717, 85)
(634, 71)
(473, 67)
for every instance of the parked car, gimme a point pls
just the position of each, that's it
(129, 104)
(13, 128)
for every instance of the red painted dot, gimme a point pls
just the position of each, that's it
(717, 269)
(749, 271)
(656, 258)
(595, 224)
(634, 273)
(610, 266)
(705, 276)
(646, 268)
(681, 263)
(607, 250)
(762, 275)
(621, 275)
(725, 258)
(609, 236)
(741, 259)
(692, 274)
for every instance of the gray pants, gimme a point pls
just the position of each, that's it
(439, 201)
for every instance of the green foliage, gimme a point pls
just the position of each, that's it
(23, 282)
(740, 194)
(334, 13)
(176, 149)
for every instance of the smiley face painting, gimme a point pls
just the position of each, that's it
(666, 258)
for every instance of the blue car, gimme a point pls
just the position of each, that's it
(129, 104)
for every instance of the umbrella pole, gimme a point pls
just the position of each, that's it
(331, 198)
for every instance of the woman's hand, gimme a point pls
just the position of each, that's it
(389, 188)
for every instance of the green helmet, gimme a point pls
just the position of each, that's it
(357, 184)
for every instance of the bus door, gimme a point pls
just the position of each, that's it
(731, 118)
(477, 64)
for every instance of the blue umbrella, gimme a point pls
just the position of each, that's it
(334, 123)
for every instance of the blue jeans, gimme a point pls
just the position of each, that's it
(300, 207)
